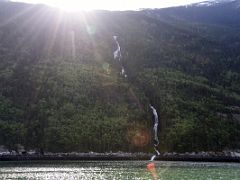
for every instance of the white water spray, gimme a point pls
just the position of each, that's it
(118, 55)
(123, 72)
(155, 128)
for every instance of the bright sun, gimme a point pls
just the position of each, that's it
(75, 5)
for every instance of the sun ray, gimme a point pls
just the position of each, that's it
(53, 33)
(14, 17)
(31, 23)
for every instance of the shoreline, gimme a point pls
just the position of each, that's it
(204, 157)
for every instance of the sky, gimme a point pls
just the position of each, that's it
(74, 5)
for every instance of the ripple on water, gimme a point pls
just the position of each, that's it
(118, 170)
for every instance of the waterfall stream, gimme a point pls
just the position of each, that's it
(155, 129)
(118, 55)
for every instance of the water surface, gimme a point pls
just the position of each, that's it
(60, 170)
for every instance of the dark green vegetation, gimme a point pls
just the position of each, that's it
(61, 91)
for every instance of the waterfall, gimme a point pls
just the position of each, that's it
(123, 72)
(118, 55)
(155, 129)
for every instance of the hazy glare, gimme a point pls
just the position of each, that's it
(111, 4)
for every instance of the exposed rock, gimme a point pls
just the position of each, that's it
(235, 154)
(226, 156)
(235, 109)
(31, 152)
(193, 154)
(236, 117)
(21, 149)
(4, 150)
(222, 115)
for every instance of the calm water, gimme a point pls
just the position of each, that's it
(118, 170)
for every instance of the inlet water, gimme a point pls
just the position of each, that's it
(126, 170)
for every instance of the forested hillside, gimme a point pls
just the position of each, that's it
(61, 89)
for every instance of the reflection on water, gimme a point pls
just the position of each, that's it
(118, 170)
(151, 167)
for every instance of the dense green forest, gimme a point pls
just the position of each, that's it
(61, 89)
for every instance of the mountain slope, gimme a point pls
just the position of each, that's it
(61, 89)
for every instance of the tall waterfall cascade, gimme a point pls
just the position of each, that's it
(117, 54)
(155, 130)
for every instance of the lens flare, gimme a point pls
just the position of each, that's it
(139, 137)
